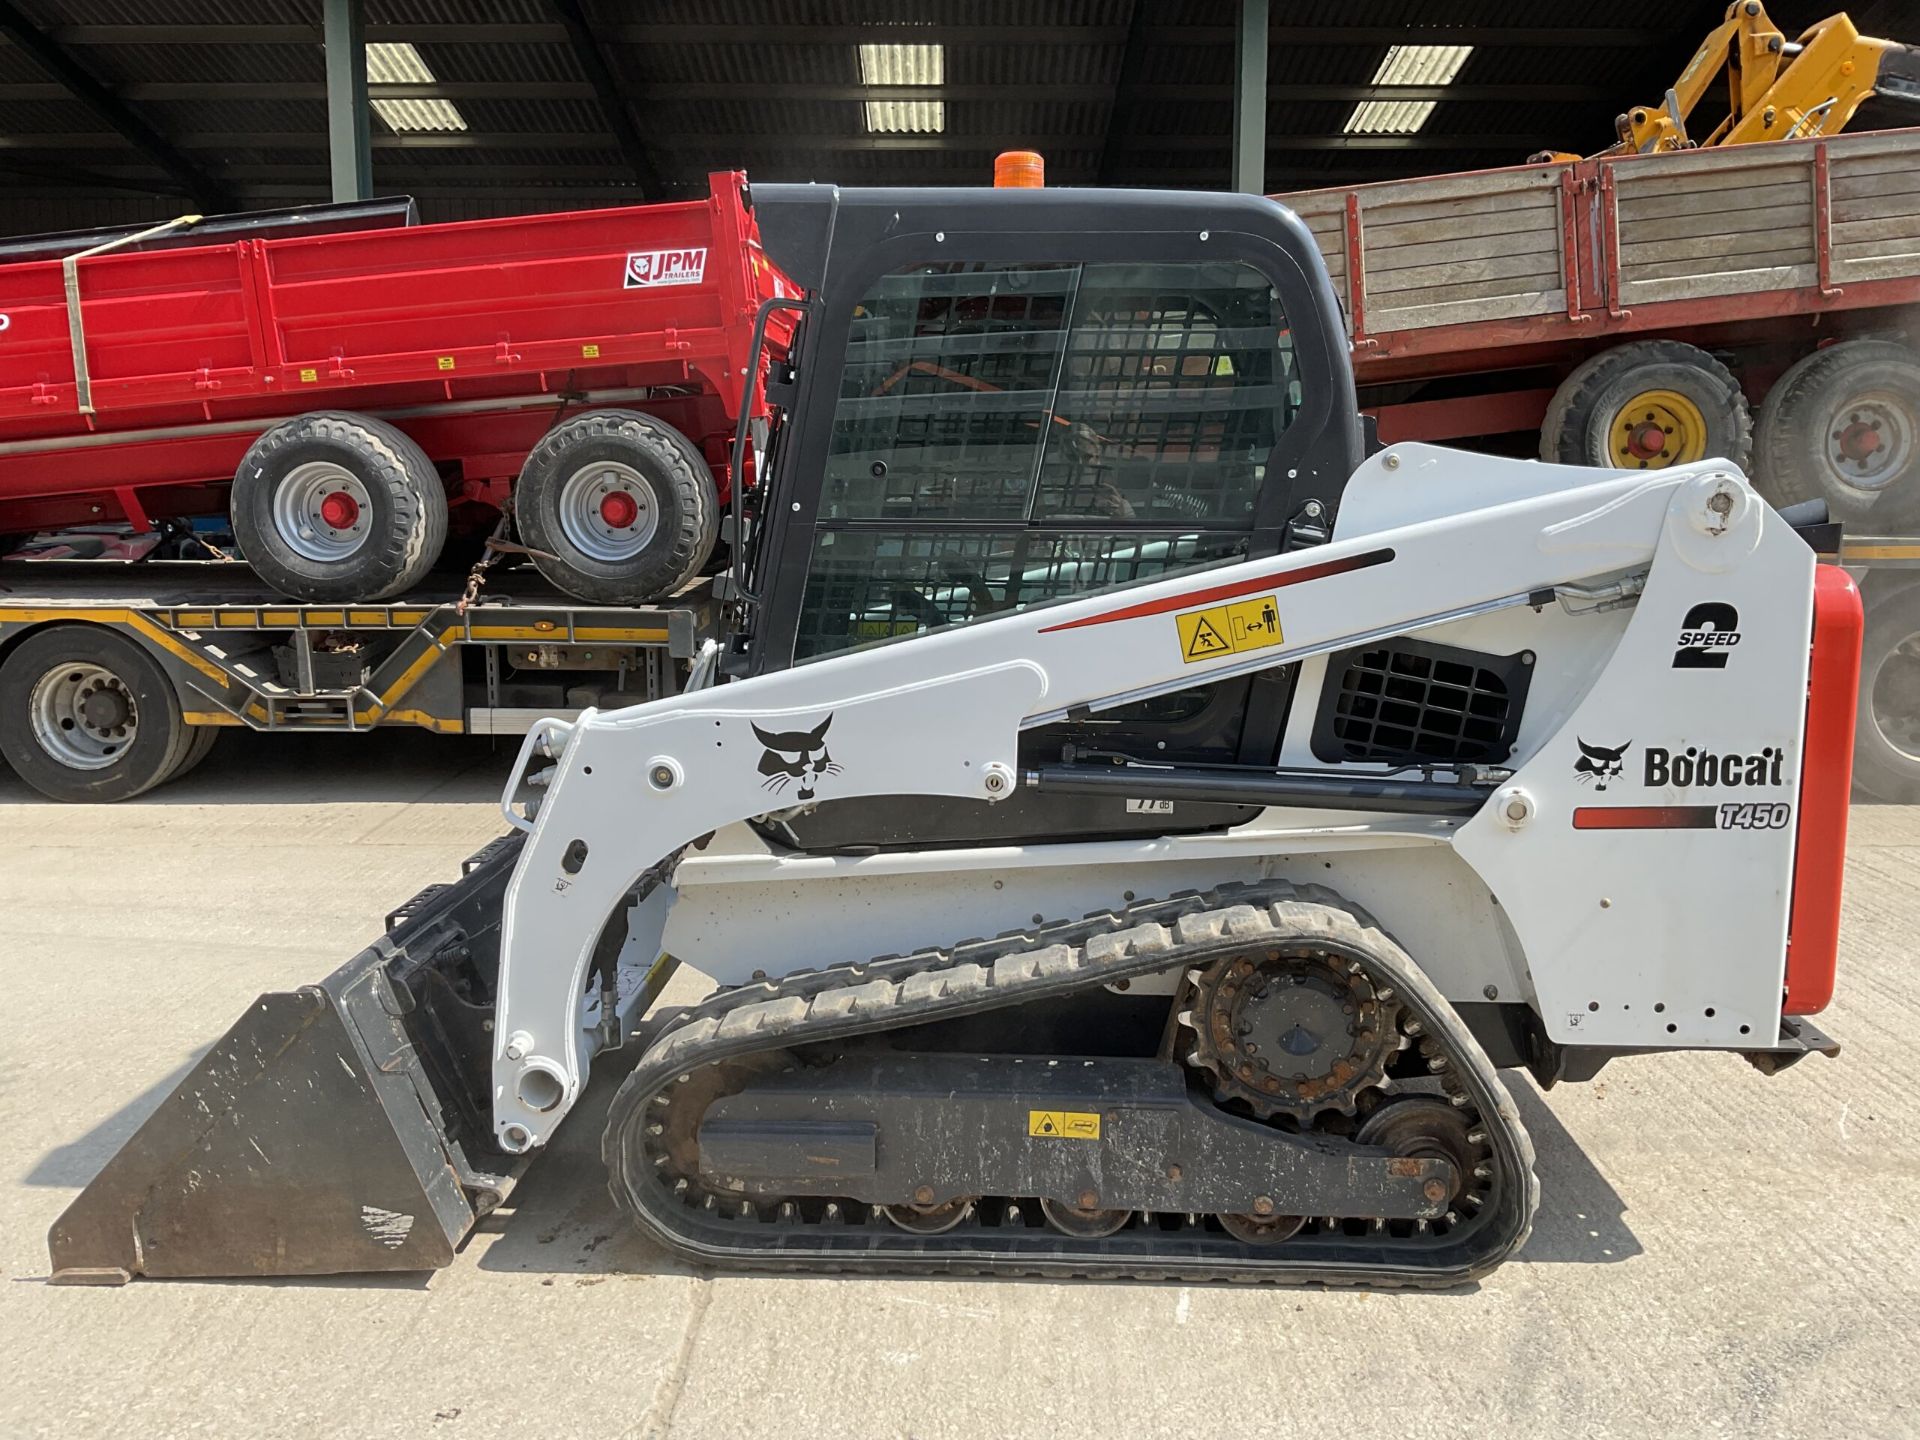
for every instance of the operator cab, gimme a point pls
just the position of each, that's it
(1005, 397)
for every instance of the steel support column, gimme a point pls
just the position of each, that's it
(1250, 99)
(348, 143)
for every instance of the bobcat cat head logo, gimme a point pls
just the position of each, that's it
(1598, 764)
(795, 755)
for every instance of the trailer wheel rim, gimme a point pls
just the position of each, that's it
(1870, 441)
(322, 512)
(607, 511)
(83, 716)
(1655, 429)
(1893, 698)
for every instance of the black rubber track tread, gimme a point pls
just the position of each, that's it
(689, 502)
(155, 702)
(391, 464)
(1878, 768)
(1566, 434)
(814, 1006)
(1788, 422)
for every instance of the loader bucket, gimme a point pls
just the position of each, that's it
(333, 1129)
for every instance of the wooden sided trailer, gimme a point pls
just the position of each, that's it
(1757, 302)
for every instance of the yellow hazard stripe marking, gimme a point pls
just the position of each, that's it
(1879, 552)
(1063, 1124)
(211, 717)
(425, 721)
(560, 637)
(407, 679)
(132, 619)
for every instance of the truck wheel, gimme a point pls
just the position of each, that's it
(338, 507)
(624, 505)
(1843, 425)
(200, 742)
(1886, 744)
(1645, 406)
(86, 714)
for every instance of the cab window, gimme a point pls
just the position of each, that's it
(1007, 434)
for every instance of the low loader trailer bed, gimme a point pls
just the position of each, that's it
(116, 678)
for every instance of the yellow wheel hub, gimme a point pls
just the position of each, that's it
(1655, 429)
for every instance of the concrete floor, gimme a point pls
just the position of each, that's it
(1715, 1252)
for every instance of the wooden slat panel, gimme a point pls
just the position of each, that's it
(1388, 229)
(1519, 272)
(1717, 265)
(1540, 240)
(1726, 282)
(1414, 208)
(1901, 248)
(1665, 204)
(1436, 294)
(1464, 312)
(1889, 228)
(1866, 189)
(1849, 160)
(1542, 180)
(1796, 240)
(1687, 227)
(1880, 207)
(1876, 267)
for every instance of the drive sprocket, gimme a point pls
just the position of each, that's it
(1291, 1032)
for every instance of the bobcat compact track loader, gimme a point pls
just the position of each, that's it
(1129, 825)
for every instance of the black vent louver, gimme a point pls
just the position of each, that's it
(1409, 701)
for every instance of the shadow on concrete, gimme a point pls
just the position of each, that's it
(80, 1159)
(1582, 1219)
(396, 765)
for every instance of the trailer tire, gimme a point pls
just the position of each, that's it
(1647, 405)
(338, 507)
(1843, 425)
(200, 742)
(1886, 744)
(622, 505)
(87, 715)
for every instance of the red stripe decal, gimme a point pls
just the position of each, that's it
(1646, 817)
(1217, 593)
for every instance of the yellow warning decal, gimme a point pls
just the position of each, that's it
(445, 362)
(1229, 629)
(1063, 1124)
(307, 377)
(590, 352)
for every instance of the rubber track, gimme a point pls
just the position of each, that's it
(814, 1006)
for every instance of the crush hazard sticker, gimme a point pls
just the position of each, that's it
(648, 268)
(1063, 1124)
(1229, 629)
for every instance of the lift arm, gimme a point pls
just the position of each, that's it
(941, 714)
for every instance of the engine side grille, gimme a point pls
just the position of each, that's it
(1411, 701)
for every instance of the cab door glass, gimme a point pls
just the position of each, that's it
(1007, 434)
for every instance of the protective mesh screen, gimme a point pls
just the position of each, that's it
(1071, 413)
(866, 585)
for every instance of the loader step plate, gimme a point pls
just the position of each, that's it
(798, 1124)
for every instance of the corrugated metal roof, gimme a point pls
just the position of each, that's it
(1137, 91)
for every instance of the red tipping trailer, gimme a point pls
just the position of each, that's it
(349, 386)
